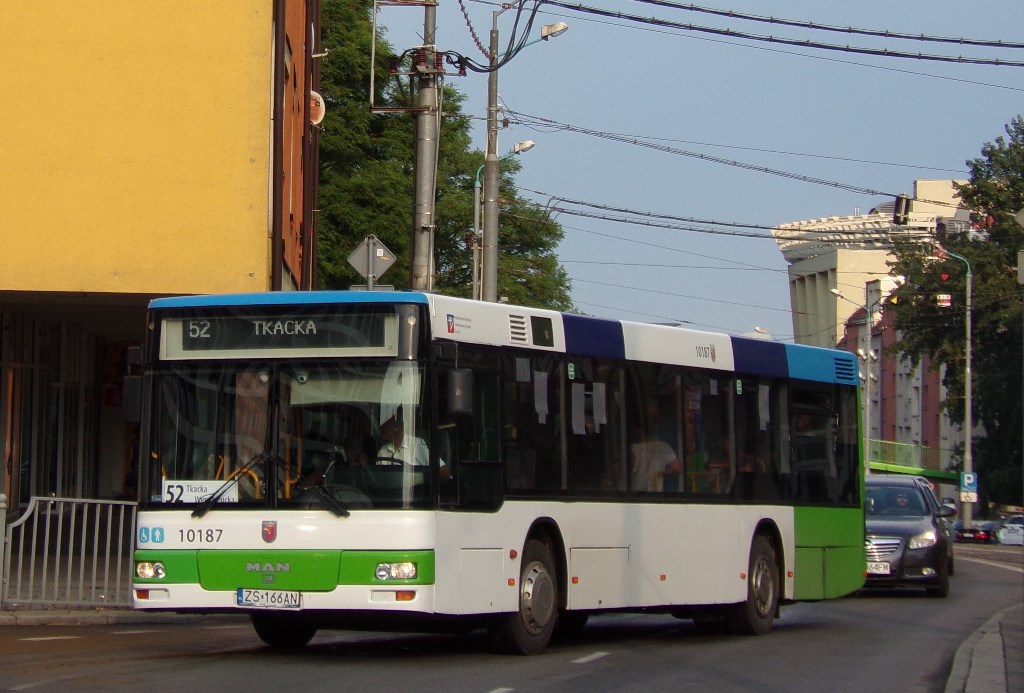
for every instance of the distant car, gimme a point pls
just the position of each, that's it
(981, 533)
(1012, 531)
(992, 527)
(908, 534)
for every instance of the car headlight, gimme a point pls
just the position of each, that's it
(923, 540)
(405, 570)
(147, 570)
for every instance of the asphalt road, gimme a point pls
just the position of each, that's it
(896, 640)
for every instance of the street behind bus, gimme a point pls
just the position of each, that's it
(901, 640)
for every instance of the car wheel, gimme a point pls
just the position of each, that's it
(941, 588)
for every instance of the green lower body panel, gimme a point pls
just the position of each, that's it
(830, 558)
(305, 570)
(828, 572)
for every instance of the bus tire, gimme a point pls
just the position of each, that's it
(754, 616)
(528, 630)
(282, 633)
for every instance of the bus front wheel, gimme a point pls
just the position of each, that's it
(528, 630)
(755, 615)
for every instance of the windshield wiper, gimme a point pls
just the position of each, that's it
(205, 506)
(333, 504)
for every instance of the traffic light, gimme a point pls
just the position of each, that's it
(901, 210)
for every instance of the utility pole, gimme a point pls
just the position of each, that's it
(489, 278)
(427, 65)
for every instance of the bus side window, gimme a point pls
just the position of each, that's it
(531, 444)
(520, 455)
(466, 438)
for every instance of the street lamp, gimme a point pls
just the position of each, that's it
(867, 355)
(942, 253)
(519, 148)
(489, 278)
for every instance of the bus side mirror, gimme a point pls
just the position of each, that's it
(460, 391)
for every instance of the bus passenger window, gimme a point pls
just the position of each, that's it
(530, 429)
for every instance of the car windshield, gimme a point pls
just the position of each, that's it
(901, 501)
(281, 435)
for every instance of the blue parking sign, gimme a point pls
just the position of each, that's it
(968, 487)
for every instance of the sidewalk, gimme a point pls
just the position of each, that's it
(991, 660)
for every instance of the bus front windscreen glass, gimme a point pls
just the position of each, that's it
(339, 436)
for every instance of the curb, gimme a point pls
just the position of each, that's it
(980, 664)
(101, 617)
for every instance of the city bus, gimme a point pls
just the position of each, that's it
(403, 461)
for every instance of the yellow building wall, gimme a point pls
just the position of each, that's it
(135, 145)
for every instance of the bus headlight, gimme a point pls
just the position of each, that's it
(923, 540)
(405, 570)
(148, 570)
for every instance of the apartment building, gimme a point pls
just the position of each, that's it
(839, 282)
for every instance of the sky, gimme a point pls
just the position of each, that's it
(665, 97)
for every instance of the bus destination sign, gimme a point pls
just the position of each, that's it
(285, 335)
(259, 333)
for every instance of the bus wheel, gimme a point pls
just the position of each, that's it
(528, 630)
(283, 633)
(755, 615)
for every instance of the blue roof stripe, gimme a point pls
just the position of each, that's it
(593, 336)
(822, 365)
(760, 357)
(289, 298)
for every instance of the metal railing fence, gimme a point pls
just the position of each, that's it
(67, 552)
(909, 455)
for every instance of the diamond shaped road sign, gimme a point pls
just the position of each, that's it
(372, 258)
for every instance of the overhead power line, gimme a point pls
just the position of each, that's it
(529, 120)
(880, 52)
(882, 33)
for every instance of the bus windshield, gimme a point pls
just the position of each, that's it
(334, 435)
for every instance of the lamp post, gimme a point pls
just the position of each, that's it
(489, 279)
(867, 355)
(519, 148)
(965, 508)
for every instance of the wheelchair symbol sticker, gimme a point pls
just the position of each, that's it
(151, 535)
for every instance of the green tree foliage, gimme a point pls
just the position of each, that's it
(366, 179)
(994, 193)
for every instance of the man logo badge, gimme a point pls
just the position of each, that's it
(269, 531)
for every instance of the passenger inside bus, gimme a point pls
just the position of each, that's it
(654, 465)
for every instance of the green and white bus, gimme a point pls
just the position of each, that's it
(547, 467)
